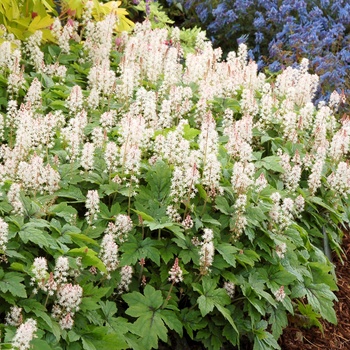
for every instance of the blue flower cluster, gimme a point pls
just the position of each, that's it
(280, 33)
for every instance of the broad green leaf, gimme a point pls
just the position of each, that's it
(17, 267)
(150, 328)
(159, 180)
(149, 325)
(143, 215)
(270, 163)
(190, 133)
(40, 23)
(131, 253)
(192, 321)
(176, 229)
(265, 341)
(88, 304)
(89, 257)
(258, 304)
(39, 344)
(205, 304)
(115, 341)
(149, 250)
(64, 211)
(172, 322)
(222, 204)
(247, 257)
(82, 239)
(140, 304)
(312, 317)
(278, 321)
(211, 296)
(225, 312)
(321, 299)
(72, 192)
(323, 273)
(135, 250)
(88, 344)
(255, 215)
(72, 336)
(319, 201)
(228, 252)
(209, 220)
(32, 234)
(11, 282)
(280, 277)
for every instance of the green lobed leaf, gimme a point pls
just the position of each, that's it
(228, 252)
(89, 257)
(11, 282)
(149, 325)
(278, 321)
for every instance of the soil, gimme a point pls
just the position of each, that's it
(334, 337)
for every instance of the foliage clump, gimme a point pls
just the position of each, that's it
(23, 18)
(149, 197)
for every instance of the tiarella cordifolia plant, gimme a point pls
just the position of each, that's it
(280, 33)
(147, 197)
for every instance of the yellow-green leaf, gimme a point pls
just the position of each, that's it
(40, 23)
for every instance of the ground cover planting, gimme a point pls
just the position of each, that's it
(156, 195)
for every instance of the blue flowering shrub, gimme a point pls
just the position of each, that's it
(280, 33)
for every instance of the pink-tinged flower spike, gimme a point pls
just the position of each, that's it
(280, 294)
(175, 273)
(111, 155)
(340, 144)
(15, 80)
(75, 100)
(37, 177)
(40, 273)
(230, 289)
(261, 182)
(125, 279)
(32, 47)
(68, 300)
(87, 156)
(208, 146)
(109, 253)
(120, 229)
(14, 198)
(24, 335)
(92, 205)
(14, 317)
(206, 254)
(314, 180)
(281, 249)
(339, 180)
(73, 134)
(292, 172)
(187, 223)
(66, 322)
(87, 12)
(3, 234)
(175, 277)
(61, 270)
(33, 95)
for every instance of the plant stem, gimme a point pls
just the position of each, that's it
(168, 295)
